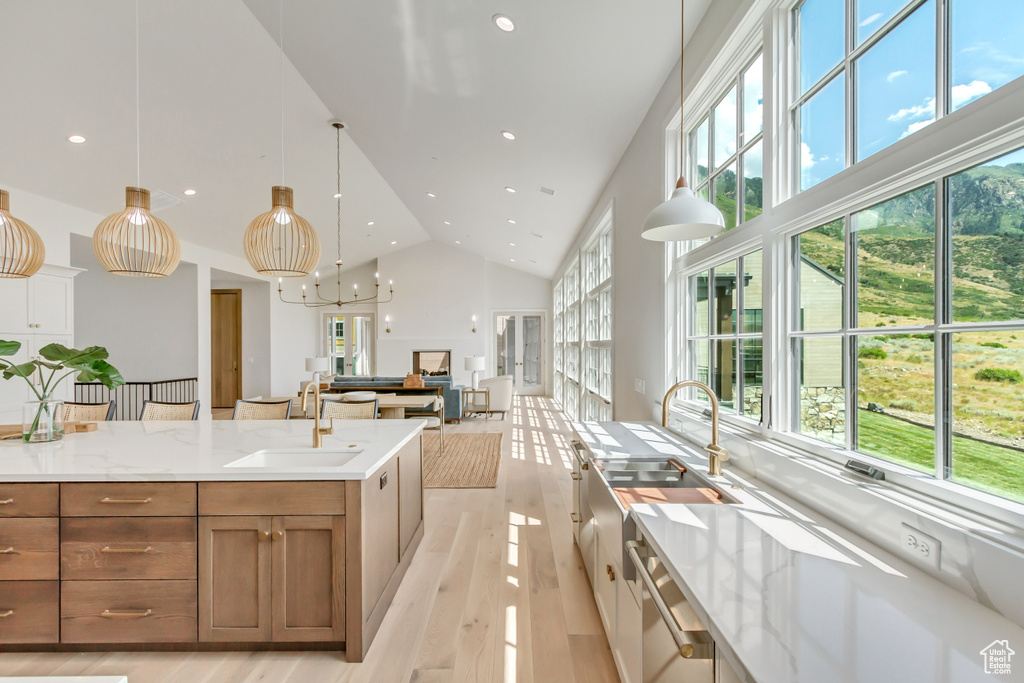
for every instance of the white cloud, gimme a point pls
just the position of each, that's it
(916, 126)
(915, 112)
(964, 93)
(870, 20)
(894, 75)
(806, 158)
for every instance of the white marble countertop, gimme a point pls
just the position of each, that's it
(200, 451)
(792, 597)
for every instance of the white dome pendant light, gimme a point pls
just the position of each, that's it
(683, 216)
(280, 242)
(134, 242)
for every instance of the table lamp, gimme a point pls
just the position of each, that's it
(476, 365)
(317, 366)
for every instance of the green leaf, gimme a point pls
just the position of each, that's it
(73, 358)
(9, 348)
(23, 370)
(103, 372)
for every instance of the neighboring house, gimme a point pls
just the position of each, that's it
(821, 300)
(997, 657)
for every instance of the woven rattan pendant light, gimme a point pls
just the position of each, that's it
(134, 242)
(21, 248)
(280, 242)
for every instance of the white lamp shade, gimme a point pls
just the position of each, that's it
(684, 216)
(475, 363)
(318, 364)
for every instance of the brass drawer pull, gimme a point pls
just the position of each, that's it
(9, 501)
(107, 614)
(575, 476)
(126, 501)
(585, 466)
(277, 536)
(8, 613)
(263, 535)
(108, 549)
(7, 551)
(574, 516)
(611, 572)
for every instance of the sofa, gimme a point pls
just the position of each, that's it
(451, 392)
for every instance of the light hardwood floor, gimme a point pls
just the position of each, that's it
(496, 592)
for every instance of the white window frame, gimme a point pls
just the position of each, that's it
(595, 257)
(978, 132)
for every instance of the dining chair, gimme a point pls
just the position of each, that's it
(160, 411)
(261, 410)
(338, 409)
(89, 412)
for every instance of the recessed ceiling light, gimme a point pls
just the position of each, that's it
(431, 195)
(447, 223)
(457, 242)
(337, 195)
(508, 135)
(370, 223)
(189, 192)
(511, 221)
(393, 243)
(512, 260)
(503, 22)
(77, 139)
(511, 244)
(510, 189)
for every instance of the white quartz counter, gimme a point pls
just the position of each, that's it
(790, 596)
(201, 451)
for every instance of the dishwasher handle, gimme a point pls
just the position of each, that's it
(691, 644)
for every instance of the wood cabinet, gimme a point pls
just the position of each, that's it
(128, 611)
(104, 548)
(29, 611)
(272, 578)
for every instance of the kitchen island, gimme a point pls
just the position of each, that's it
(784, 593)
(208, 535)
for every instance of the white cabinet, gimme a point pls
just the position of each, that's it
(619, 610)
(35, 311)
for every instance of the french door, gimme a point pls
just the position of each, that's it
(519, 350)
(348, 342)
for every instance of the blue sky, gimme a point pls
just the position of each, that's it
(895, 78)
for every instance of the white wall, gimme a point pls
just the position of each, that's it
(636, 186)
(141, 321)
(438, 290)
(256, 365)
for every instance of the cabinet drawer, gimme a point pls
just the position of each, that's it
(29, 612)
(272, 498)
(29, 500)
(135, 499)
(29, 549)
(128, 548)
(128, 611)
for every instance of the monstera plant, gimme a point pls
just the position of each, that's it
(44, 374)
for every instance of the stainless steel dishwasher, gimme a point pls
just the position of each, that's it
(676, 646)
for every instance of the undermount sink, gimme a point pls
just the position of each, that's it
(297, 459)
(655, 473)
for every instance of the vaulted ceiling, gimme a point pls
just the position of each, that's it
(425, 88)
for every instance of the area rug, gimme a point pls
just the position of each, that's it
(470, 461)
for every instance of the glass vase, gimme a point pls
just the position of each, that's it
(43, 421)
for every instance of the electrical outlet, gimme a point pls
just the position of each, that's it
(639, 385)
(922, 546)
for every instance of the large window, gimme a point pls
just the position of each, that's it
(726, 157)
(723, 342)
(881, 356)
(872, 72)
(559, 337)
(597, 339)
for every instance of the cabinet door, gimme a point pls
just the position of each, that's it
(605, 578)
(13, 306)
(308, 578)
(380, 533)
(234, 579)
(50, 304)
(410, 482)
(629, 632)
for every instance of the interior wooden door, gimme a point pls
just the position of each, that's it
(308, 578)
(234, 579)
(226, 346)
